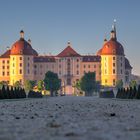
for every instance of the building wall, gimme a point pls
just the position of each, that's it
(112, 69)
(41, 68)
(69, 67)
(91, 67)
(5, 69)
(21, 68)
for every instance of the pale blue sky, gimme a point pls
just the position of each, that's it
(51, 23)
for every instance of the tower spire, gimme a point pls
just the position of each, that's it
(113, 32)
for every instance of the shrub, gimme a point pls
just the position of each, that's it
(33, 94)
(107, 94)
(138, 93)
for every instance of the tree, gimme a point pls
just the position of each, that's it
(119, 84)
(134, 92)
(52, 82)
(29, 84)
(133, 84)
(17, 84)
(131, 93)
(40, 85)
(3, 83)
(88, 83)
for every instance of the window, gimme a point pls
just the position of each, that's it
(35, 72)
(68, 81)
(121, 64)
(113, 64)
(3, 73)
(113, 58)
(113, 71)
(28, 65)
(77, 72)
(105, 81)
(94, 66)
(7, 73)
(77, 60)
(13, 65)
(7, 67)
(28, 58)
(13, 58)
(40, 66)
(121, 71)
(77, 80)
(35, 66)
(20, 58)
(88, 66)
(13, 71)
(59, 66)
(20, 71)
(20, 64)
(3, 62)
(59, 72)
(3, 67)
(28, 71)
(114, 82)
(84, 66)
(7, 61)
(77, 66)
(59, 60)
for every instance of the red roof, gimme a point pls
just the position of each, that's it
(22, 47)
(111, 47)
(44, 59)
(91, 58)
(68, 52)
(127, 64)
(6, 54)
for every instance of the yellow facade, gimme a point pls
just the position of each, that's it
(112, 69)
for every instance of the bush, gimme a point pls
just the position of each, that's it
(10, 93)
(107, 94)
(33, 94)
(129, 93)
(138, 93)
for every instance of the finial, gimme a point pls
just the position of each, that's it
(22, 34)
(113, 31)
(29, 41)
(69, 42)
(114, 25)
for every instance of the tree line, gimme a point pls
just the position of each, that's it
(12, 93)
(129, 93)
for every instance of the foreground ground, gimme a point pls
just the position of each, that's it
(70, 118)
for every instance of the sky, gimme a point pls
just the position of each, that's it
(50, 24)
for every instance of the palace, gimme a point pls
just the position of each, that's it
(21, 62)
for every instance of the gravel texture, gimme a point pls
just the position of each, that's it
(70, 118)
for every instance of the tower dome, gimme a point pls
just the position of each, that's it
(22, 47)
(111, 47)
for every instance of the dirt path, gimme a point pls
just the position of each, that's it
(70, 118)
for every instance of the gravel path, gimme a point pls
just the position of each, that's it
(70, 118)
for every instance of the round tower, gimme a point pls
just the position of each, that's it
(21, 61)
(112, 60)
